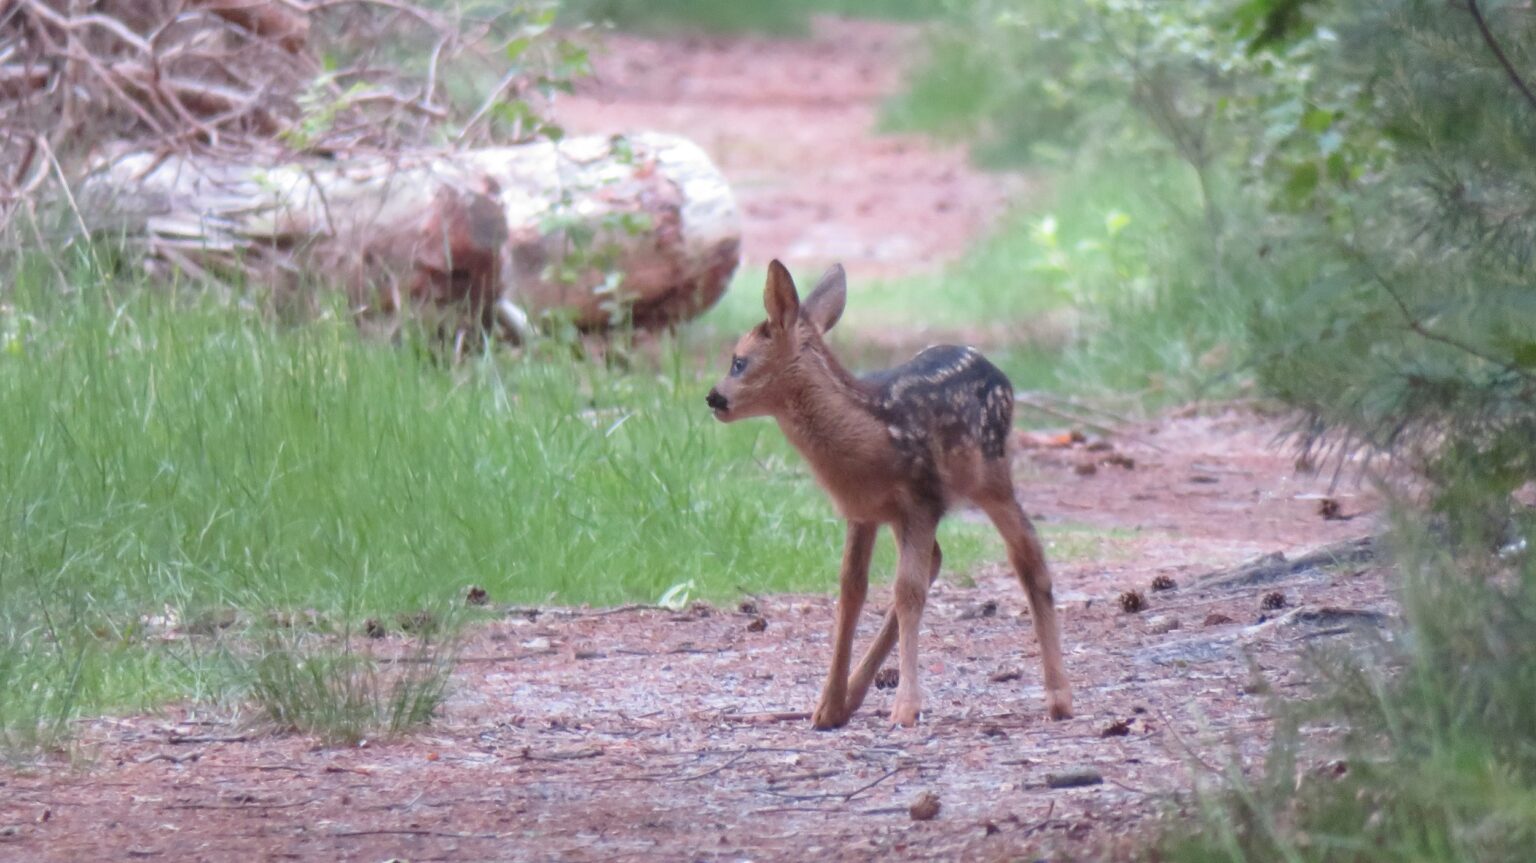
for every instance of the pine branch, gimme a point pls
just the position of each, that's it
(1417, 326)
(1498, 52)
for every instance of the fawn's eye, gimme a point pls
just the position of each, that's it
(738, 365)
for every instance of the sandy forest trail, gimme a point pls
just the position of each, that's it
(651, 735)
(792, 125)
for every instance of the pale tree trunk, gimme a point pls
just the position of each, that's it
(604, 230)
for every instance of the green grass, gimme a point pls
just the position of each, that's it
(180, 477)
(347, 694)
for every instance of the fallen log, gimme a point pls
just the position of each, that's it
(604, 230)
(1277, 567)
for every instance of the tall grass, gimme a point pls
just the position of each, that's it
(180, 474)
(346, 694)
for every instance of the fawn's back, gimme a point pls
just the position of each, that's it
(918, 436)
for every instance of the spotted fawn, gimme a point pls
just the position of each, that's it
(898, 447)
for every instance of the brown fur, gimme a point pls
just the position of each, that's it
(896, 448)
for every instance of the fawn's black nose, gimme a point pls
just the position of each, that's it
(716, 401)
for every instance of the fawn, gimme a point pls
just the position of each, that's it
(897, 448)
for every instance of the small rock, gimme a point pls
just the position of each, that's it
(1273, 601)
(1120, 460)
(1333, 769)
(1007, 675)
(422, 621)
(213, 621)
(1132, 602)
(925, 807)
(1118, 728)
(984, 609)
(1164, 582)
(1216, 618)
(1074, 777)
(887, 678)
(758, 624)
(476, 595)
(538, 645)
(1162, 624)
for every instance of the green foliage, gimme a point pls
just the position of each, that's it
(1133, 110)
(1418, 271)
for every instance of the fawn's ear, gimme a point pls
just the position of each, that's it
(825, 304)
(780, 299)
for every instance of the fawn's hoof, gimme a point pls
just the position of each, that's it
(1058, 704)
(906, 711)
(828, 716)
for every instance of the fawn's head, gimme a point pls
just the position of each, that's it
(766, 360)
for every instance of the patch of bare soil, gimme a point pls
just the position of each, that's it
(791, 123)
(651, 735)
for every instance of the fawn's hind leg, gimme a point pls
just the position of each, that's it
(914, 543)
(1028, 560)
(880, 648)
(833, 710)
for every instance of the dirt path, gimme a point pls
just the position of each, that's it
(791, 124)
(642, 734)
(645, 735)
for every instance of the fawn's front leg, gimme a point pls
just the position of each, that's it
(915, 541)
(880, 648)
(833, 710)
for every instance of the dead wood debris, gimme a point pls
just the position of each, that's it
(221, 77)
(1074, 777)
